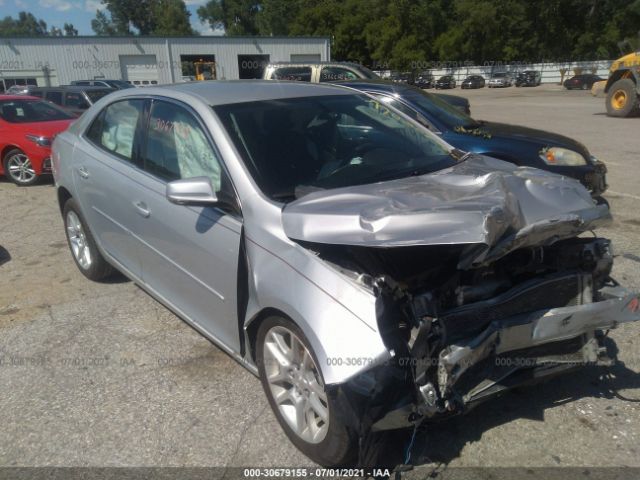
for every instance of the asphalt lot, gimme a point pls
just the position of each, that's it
(102, 375)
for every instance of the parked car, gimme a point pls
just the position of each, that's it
(73, 98)
(302, 226)
(500, 79)
(512, 143)
(27, 128)
(116, 84)
(473, 81)
(424, 80)
(19, 89)
(316, 72)
(445, 82)
(582, 82)
(528, 78)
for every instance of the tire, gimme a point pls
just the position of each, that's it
(622, 98)
(83, 246)
(334, 445)
(17, 168)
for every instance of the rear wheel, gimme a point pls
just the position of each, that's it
(622, 98)
(82, 244)
(296, 392)
(19, 169)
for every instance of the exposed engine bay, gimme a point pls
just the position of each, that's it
(458, 337)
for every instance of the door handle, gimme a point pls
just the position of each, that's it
(84, 173)
(142, 209)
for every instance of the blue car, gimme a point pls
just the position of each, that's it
(520, 145)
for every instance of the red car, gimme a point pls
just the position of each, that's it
(27, 128)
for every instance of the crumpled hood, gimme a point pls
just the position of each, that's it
(491, 206)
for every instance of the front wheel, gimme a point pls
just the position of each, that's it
(622, 98)
(296, 392)
(19, 169)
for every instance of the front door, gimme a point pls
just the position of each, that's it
(189, 254)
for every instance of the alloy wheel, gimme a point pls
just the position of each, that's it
(296, 385)
(78, 241)
(20, 168)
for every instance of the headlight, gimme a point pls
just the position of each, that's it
(562, 156)
(42, 141)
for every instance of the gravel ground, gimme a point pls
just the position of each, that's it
(102, 375)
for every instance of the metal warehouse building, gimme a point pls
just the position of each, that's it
(51, 61)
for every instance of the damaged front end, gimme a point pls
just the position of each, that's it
(459, 337)
(482, 281)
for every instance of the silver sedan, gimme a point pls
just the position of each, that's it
(371, 275)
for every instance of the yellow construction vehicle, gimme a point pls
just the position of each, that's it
(623, 86)
(205, 70)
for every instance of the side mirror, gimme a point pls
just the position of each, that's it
(191, 191)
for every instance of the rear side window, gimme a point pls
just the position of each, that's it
(177, 146)
(332, 74)
(301, 74)
(55, 97)
(114, 128)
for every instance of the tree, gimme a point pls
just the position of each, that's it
(236, 17)
(25, 25)
(142, 17)
(69, 30)
(172, 18)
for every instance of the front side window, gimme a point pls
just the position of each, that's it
(301, 74)
(293, 146)
(114, 128)
(177, 146)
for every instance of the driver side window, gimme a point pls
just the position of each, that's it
(177, 147)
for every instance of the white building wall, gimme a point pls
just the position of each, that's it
(59, 60)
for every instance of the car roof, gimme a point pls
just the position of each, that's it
(323, 63)
(73, 88)
(223, 92)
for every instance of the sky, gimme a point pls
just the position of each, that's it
(80, 13)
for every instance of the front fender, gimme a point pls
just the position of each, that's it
(327, 309)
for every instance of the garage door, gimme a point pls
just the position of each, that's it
(305, 57)
(139, 69)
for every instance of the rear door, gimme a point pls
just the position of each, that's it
(105, 173)
(189, 254)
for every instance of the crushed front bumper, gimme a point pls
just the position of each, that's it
(528, 331)
(509, 352)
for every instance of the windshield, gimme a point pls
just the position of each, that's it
(95, 95)
(436, 107)
(27, 111)
(294, 146)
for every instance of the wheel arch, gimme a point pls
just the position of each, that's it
(7, 149)
(63, 196)
(619, 75)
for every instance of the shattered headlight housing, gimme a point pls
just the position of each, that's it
(562, 156)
